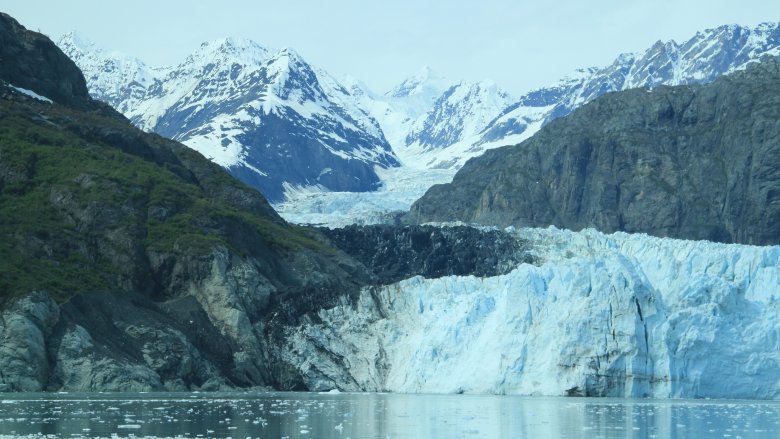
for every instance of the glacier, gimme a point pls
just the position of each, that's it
(400, 188)
(625, 315)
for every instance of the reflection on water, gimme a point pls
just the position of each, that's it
(311, 415)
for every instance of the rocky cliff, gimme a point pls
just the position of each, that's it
(131, 262)
(395, 253)
(697, 162)
(28, 60)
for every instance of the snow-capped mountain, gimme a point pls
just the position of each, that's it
(399, 109)
(437, 140)
(232, 101)
(460, 113)
(701, 59)
(269, 117)
(428, 112)
(118, 79)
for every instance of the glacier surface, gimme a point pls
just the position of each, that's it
(601, 315)
(400, 188)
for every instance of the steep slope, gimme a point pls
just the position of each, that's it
(399, 109)
(270, 118)
(29, 63)
(427, 112)
(129, 261)
(697, 162)
(116, 79)
(460, 113)
(699, 59)
(438, 137)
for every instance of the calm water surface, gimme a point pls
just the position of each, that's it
(312, 415)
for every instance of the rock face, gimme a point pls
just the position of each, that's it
(130, 262)
(395, 253)
(42, 67)
(25, 326)
(700, 59)
(695, 162)
(462, 121)
(601, 315)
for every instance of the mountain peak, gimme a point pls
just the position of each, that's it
(32, 61)
(425, 81)
(355, 86)
(241, 50)
(290, 54)
(426, 73)
(487, 84)
(77, 40)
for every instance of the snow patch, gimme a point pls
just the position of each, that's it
(31, 94)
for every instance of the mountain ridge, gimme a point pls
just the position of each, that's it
(252, 110)
(422, 123)
(689, 161)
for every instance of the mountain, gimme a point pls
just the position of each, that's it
(428, 120)
(119, 80)
(462, 120)
(693, 162)
(440, 137)
(48, 72)
(400, 108)
(273, 120)
(129, 261)
(700, 59)
(428, 112)
(460, 113)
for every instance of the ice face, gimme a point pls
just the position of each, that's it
(607, 315)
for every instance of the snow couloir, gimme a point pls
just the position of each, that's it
(602, 315)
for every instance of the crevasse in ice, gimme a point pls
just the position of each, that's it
(611, 315)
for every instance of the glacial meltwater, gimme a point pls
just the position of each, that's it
(371, 415)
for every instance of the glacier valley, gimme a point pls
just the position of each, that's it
(596, 315)
(296, 133)
(400, 188)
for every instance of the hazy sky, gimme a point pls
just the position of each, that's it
(519, 44)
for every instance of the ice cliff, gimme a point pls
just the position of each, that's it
(601, 315)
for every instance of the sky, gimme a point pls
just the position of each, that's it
(518, 44)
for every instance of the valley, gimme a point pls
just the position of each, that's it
(612, 235)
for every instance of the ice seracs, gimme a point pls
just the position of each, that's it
(602, 315)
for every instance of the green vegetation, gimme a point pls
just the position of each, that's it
(76, 211)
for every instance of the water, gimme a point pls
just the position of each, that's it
(311, 415)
